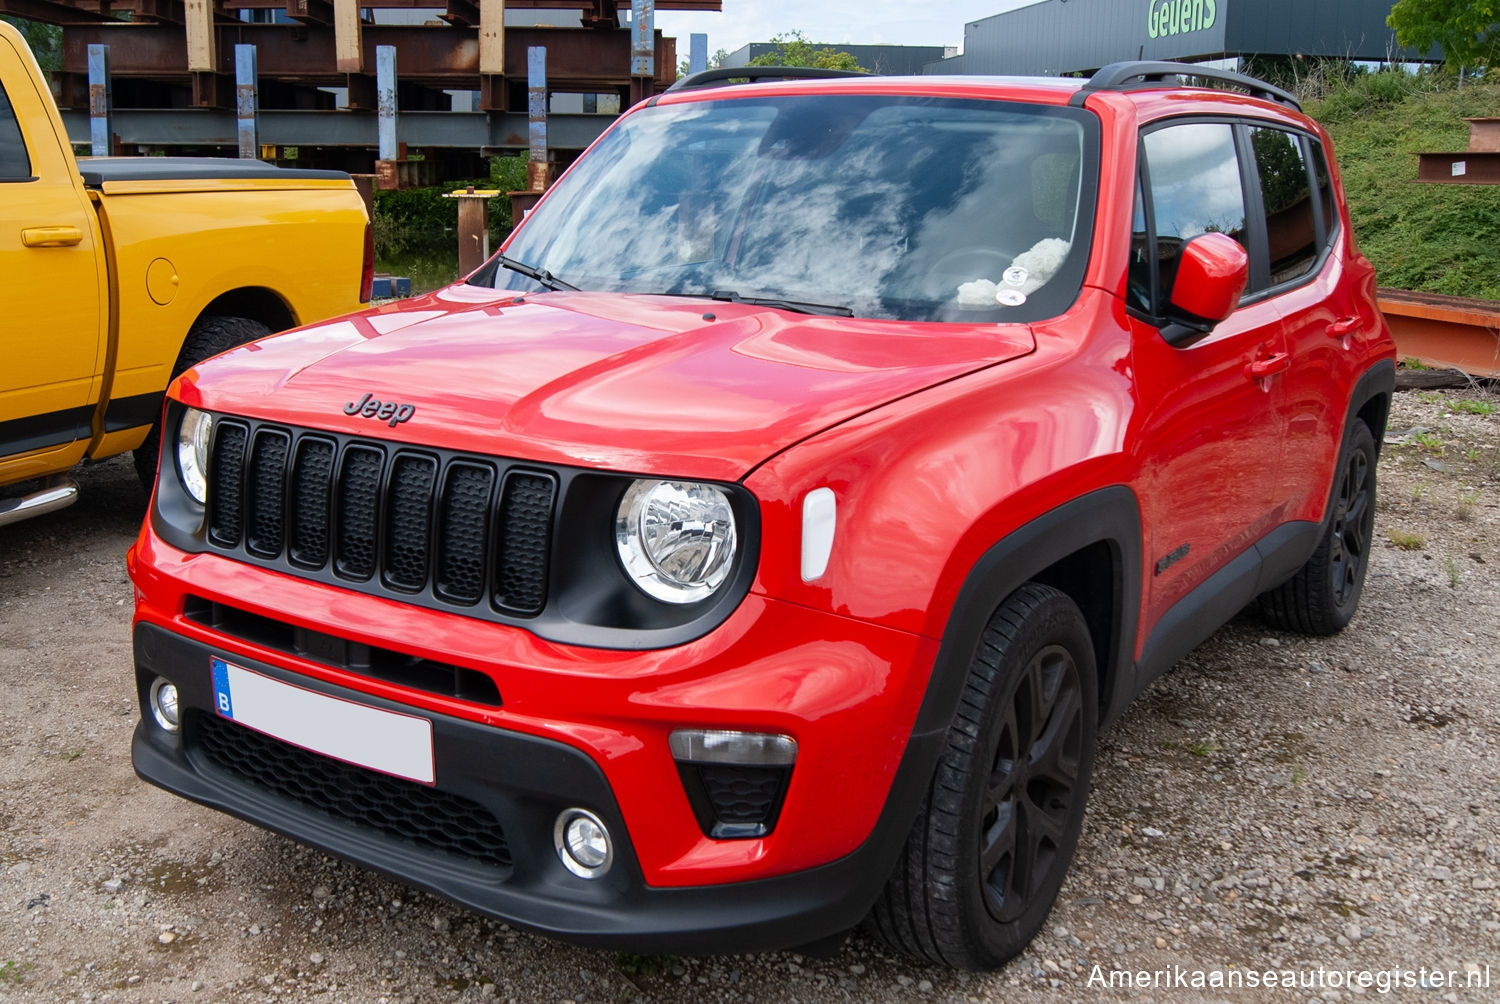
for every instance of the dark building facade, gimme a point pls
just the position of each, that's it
(1067, 36)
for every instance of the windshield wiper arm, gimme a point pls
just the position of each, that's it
(541, 275)
(800, 306)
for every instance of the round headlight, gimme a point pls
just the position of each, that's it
(193, 435)
(676, 538)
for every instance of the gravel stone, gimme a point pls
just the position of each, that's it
(1345, 812)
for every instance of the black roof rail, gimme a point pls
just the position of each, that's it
(723, 75)
(1133, 74)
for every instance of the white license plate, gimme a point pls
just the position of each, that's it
(396, 744)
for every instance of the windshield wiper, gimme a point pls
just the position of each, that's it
(541, 275)
(800, 306)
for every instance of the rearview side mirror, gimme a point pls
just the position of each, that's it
(1212, 271)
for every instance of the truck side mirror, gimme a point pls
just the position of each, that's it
(1212, 271)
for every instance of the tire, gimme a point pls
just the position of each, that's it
(1322, 597)
(996, 832)
(207, 337)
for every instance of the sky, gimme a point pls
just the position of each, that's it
(851, 22)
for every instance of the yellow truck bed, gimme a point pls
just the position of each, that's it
(123, 272)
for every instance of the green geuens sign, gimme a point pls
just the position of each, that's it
(1166, 18)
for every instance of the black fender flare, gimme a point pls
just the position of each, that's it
(1108, 515)
(1379, 381)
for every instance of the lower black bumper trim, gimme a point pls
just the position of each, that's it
(525, 781)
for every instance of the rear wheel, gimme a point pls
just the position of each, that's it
(207, 337)
(1322, 597)
(993, 841)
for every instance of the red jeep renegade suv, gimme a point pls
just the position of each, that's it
(755, 546)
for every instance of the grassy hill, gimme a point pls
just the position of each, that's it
(1436, 238)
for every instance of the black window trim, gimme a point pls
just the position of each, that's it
(1257, 239)
(1153, 312)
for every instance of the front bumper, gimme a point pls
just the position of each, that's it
(576, 729)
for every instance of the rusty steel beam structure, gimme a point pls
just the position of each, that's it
(603, 13)
(578, 59)
(205, 127)
(1478, 165)
(170, 66)
(1447, 332)
(53, 13)
(1468, 168)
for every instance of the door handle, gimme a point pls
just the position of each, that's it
(51, 237)
(1343, 327)
(1269, 366)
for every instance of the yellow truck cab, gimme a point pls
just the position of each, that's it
(120, 273)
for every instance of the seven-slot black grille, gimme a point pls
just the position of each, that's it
(428, 817)
(383, 518)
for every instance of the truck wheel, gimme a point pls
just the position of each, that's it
(996, 832)
(1321, 598)
(207, 337)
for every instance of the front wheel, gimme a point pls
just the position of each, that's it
(996, 832)
(1322, 597)
(207, 337)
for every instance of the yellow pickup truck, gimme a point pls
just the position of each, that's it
(120, 273)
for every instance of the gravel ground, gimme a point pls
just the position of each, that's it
(1274, 803)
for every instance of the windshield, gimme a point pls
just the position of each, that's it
(878, 206)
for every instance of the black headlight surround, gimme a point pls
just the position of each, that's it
(589, 599)
(174, 509)
(597, 589)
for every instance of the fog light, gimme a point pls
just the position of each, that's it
(583, 843)
(741, 748)
(163, 702)
(734, 781)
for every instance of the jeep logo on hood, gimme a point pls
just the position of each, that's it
(389, 411)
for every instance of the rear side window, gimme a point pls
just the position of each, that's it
(1286, 193)
(1192, 186)
(15, 165)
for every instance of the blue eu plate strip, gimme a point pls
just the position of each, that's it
(222, 701)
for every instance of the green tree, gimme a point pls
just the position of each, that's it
(714, 62)
(794, 49)
(45, 41)
(1468, 31)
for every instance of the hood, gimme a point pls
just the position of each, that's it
(643, 384)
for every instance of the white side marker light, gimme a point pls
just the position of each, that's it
(819, 521)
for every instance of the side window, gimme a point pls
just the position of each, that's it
(1193, 176)
(1325, 191)
(14, 164)
(1286, 193)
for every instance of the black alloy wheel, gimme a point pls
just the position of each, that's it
(995, 834)
(1032, 784)
(1324, 593)
(1353, 521)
